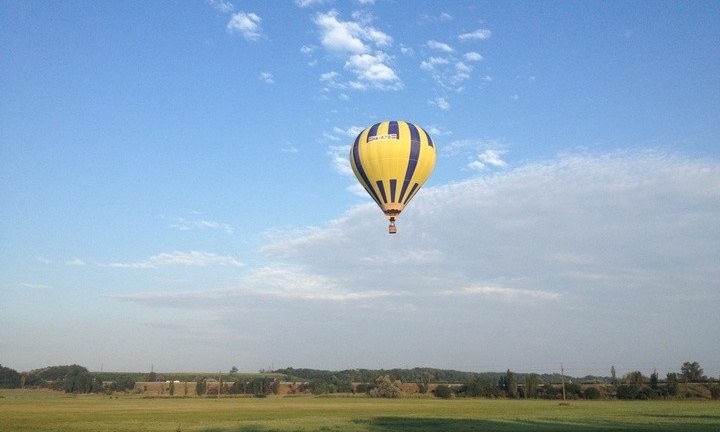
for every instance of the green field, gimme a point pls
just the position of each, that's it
(52, 411)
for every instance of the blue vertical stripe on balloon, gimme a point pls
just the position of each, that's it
(381, 188)
(394, 129)
(361, 171)
(414, 156)
(393, 188)
(373, 131)
(412, 192)
(430, 141)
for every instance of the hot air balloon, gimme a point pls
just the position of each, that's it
(392, 160)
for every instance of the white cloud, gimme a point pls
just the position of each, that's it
(309, 3)
(439, 46)
(340, 160)
(26, 285)
(193, 258)
(351, 132)
(183, 224)
(267, 77)
(373, 70)
(307, 50)
(492, 157)
(75, 262)
(340, 36)
(329, 76)
(359, 45)
(480, 34)
(441, 103)
(462, 72)
(432, 62)
(221, 5)
(247, 24)
(473, 56)
(503, 293)
(480, 153)
(449, 72)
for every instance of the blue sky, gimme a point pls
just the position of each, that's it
(175, 191)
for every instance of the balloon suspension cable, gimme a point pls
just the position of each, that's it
(392, 229)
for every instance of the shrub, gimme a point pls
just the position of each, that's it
(627, 392)
(385, 387)
(443, 391)
(715, 391)
(650, 393)
(591, 393)
(122, 382)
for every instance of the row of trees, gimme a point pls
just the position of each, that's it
(70, 379)
(442, 383)
(512, 385)
(689, 372)
(239, 385)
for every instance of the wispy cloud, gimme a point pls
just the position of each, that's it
(266, 77)
(473, 56)
(481, 154)
(350, 132)
(27, 285)
(439, 46)
(441, 103)
(340, 161)
(193, 258)
(449, 70)
(221, 5)
(480, 34)
(491, 157)
(502, 293)
(183, 224)
(75, 262)
(309, 3)
(307, 49)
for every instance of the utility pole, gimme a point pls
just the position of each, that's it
(562, 374)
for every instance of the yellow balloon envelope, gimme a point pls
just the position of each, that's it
(392, 160)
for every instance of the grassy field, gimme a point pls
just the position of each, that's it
(52, 411)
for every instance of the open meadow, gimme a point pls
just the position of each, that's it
(23, 410)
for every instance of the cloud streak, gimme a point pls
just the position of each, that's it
(183, 224)
(176, 258)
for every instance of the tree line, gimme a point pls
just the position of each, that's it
(689, 382)
(451, 383)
